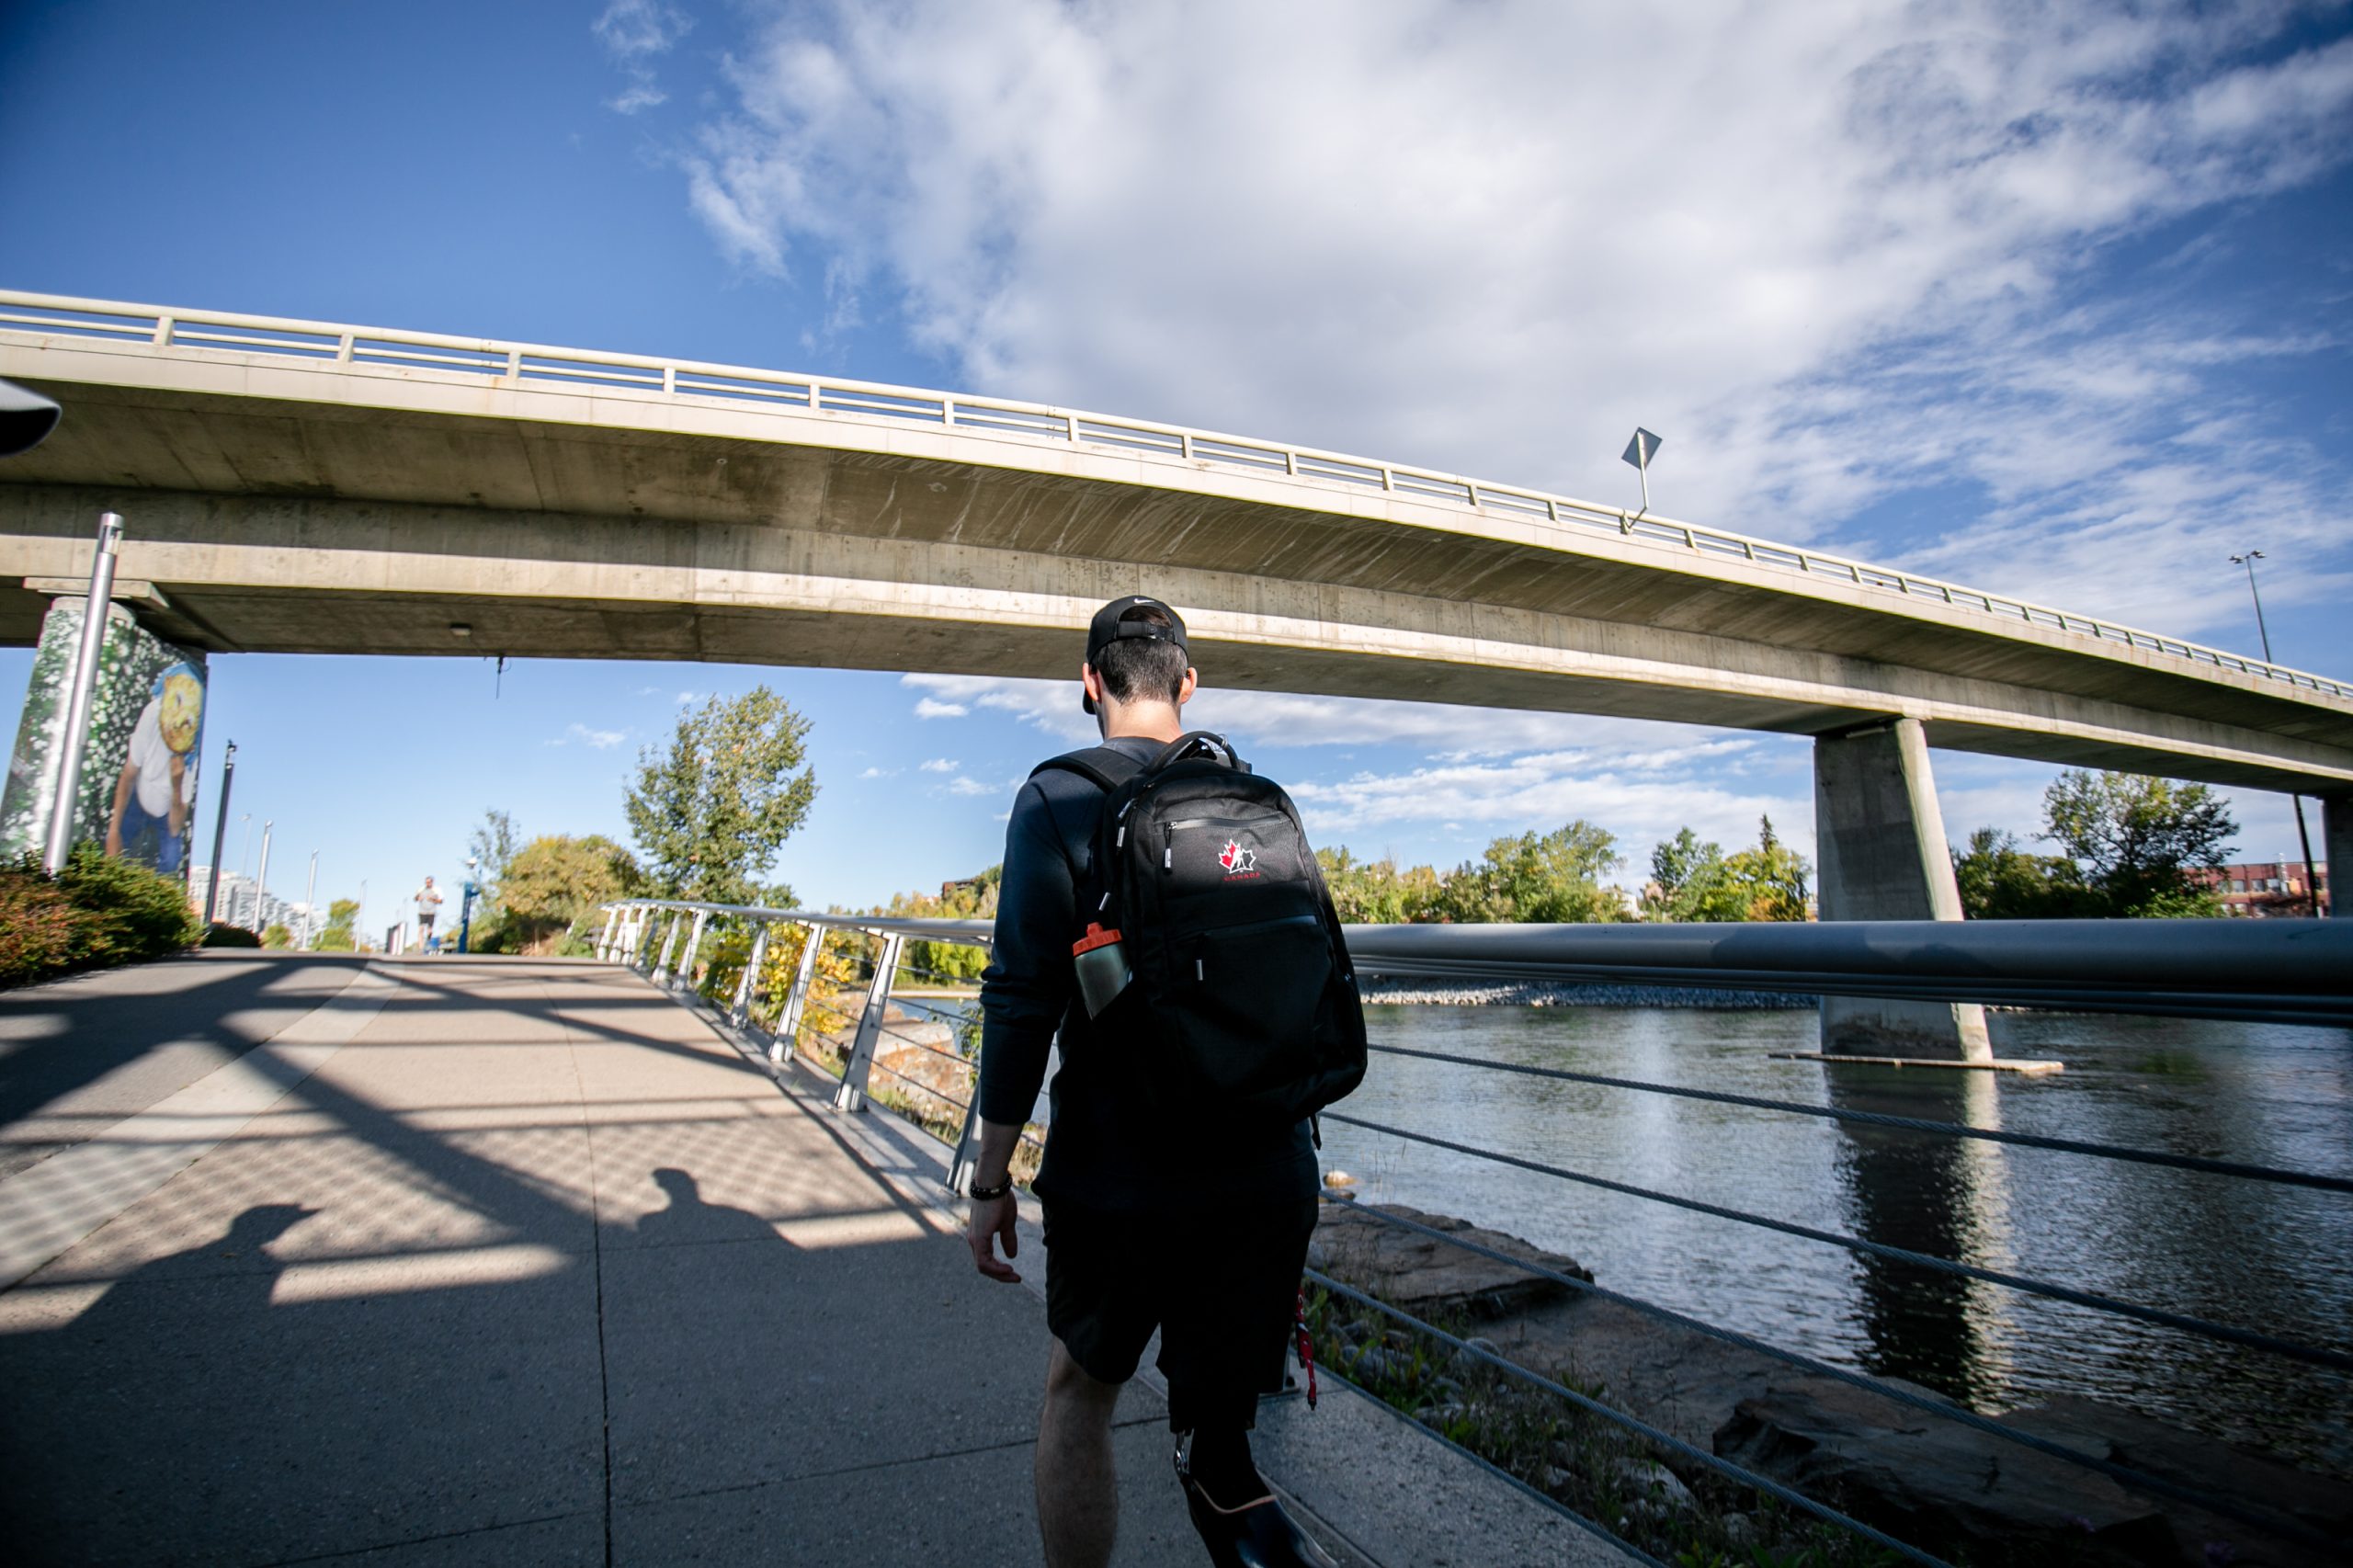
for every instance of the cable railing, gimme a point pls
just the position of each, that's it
(44, 319)
(2309, 964)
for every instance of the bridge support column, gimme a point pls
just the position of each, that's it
(1881, 841)
(669, 945)
(2337, 849)
(605, 936)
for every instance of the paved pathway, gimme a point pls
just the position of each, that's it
(307, 1259)
(530, 1267)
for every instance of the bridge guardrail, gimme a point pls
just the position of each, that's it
(45, 316)
(2267, 974)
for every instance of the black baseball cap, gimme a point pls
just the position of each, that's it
(1108, 628)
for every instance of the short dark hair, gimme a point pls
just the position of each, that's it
(1142, 669)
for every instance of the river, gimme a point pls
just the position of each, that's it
(2278, 1259)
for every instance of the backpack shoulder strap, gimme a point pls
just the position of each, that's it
(1106, 768)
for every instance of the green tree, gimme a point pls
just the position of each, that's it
(1538, 878)
(335, 936)
(2000, 880)
(493, 844)
(277, 935)
(973, 898)
(1695, 880)
(2133, 839)
(1686, 880)
(555, 881)
(709, 813)
(1376, 893)
(1769, 881)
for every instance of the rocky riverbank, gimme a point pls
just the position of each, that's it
(1960, 1492)
(1535, 994)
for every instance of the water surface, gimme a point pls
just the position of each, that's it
(2257, 1255)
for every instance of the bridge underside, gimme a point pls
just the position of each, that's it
(283, 525)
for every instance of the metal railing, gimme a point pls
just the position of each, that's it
(44, 318)
(2301, 971)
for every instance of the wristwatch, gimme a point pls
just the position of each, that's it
(980, 1194)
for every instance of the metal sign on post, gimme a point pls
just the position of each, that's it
(78, 700)
(1639, 452)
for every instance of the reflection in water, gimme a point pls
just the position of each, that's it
(2275, 1258)
(1926, 1194)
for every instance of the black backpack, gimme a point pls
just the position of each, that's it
(1244, 1003)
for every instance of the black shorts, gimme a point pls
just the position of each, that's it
(1221, 1286)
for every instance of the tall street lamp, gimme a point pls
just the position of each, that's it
(2303, 834)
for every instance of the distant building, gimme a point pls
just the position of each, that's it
(2267, 888)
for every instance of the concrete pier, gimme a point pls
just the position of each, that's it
(2337, 848)
(1884, 857)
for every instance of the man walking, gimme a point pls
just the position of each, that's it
(1195, 1228)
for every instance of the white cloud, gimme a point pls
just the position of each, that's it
(1538, 792)
(882, 773)
(634, 34)
(941, 765)
(689, 699)
(1835, 252)
(932, 707)
(964, 784)
(600, 740)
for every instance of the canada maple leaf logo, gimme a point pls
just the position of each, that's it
(1235, 858)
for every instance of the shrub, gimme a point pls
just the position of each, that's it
(96, 913)
(226, 935)
(277, 935)
(129, 913)
(36, 925)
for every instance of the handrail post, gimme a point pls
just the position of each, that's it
(851, 1095)
(669, 945)
(788, 1022)
(967, 1158)
(740, 1009)
(605, 936)
(694, 940)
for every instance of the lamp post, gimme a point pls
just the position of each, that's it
(2303, 834)
(466, 902)
(80, 691)
(311, 903)
(261, 881)
(220, 832)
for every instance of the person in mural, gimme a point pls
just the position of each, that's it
(157, 789)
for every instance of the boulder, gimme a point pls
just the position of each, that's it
(1425, 1276)
(1926, 1480)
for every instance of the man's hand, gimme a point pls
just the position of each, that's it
(993, 1220)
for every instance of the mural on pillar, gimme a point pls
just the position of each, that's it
(139, 770)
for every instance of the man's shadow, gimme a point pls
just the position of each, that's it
(688, 1218)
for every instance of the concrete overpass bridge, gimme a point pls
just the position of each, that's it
(313, 487)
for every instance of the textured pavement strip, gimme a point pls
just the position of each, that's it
(50, 1206)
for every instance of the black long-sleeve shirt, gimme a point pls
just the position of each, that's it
(1108, 1147)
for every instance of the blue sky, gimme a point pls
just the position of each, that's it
(2054, 300)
